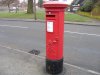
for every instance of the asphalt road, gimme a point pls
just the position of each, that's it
(81, 43)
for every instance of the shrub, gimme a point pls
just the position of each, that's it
(98, 4)
(87, 7)
(40, 2)
(96, 9)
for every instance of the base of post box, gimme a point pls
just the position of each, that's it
(54, 66)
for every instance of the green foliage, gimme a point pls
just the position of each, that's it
(40, 2)
(87, 7)
(96, 9)
(88, 14)
(90, 5)
(98, 4)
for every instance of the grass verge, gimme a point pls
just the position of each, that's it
(41, 16)
(76, 17)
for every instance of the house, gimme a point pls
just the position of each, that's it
(76, 5)
(76, 2)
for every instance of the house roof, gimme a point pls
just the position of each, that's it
(76, 2)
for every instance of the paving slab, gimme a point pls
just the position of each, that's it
(16, 62)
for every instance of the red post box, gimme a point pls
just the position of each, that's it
(54, 36)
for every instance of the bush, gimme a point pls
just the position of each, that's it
(87, 7)
(40, 2)
(96, 9)
(98, 4)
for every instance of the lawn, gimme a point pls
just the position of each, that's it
(41, 16)
(76, 17)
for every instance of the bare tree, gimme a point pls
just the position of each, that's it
(30, 7)
(8, 3)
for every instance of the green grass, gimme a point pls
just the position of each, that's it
(16, 15)
(75, 17)
(41, 15)
(87, 14)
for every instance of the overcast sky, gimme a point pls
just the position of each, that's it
(68, 1)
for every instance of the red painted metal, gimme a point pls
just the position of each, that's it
(54, 38)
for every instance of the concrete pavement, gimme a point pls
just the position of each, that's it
(17, 62)
(81, 46)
